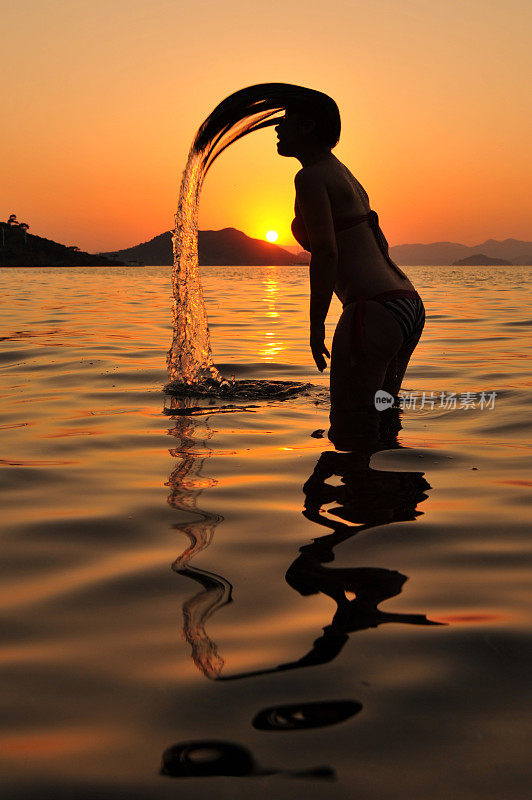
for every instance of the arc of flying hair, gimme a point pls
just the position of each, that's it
(249, 109)
(249, 129)
(245, 111)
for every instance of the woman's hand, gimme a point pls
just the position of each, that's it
(317, 345)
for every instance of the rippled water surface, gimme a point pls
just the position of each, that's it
(319, 624)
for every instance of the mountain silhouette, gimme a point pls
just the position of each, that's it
(232, 247)
(481, 260)
(215, 248)
(21, 249)
(445, 253)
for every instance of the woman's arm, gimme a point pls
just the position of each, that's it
(315, 207)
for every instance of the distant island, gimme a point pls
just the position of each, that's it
(480, 260)
(513, 251)
(18, 248)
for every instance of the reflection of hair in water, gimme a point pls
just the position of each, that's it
(186, 482)
(196, 612)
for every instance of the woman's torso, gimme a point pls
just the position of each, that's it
(363, 269)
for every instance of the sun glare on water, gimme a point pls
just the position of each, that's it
(272, 236)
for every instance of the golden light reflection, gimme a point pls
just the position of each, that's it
(272, 286)
(271, 347)
(271, 350)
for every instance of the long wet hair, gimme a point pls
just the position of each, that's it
(254, 107)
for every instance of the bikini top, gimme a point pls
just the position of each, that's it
(300, 234)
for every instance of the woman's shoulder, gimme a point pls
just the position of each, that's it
(329, 171)
(308, 174)
(346, 193)
(314, 175)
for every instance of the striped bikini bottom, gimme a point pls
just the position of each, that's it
(406, 306)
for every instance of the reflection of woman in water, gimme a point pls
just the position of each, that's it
(383, 315)
(366, 499)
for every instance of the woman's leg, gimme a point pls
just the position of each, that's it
(353, 414)
(354, 385)
(398, 365)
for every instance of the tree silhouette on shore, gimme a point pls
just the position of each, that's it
(13, 222)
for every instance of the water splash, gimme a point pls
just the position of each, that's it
(190, 364)
(190, 357)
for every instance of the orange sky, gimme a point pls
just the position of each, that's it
(101, 100)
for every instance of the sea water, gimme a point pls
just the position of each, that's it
(322, 624)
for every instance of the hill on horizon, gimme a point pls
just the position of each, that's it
(481, 260)
(515, 251)
(18, 248)
(231, 247)
(227, 247)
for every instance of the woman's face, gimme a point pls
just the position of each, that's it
(292, 132)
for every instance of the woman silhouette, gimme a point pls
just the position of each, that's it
(383, 315)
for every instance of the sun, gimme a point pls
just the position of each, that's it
(272, 236)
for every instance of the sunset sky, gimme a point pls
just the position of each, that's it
(102, 98)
